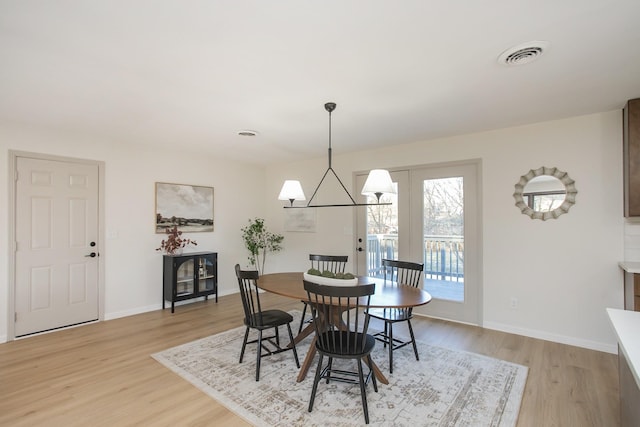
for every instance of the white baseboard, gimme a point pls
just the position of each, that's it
(132, 312)
(153, 307)
(532, 333)
(562, 339)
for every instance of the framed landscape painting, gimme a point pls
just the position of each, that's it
(190, 207)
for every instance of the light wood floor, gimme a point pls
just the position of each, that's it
(101, 374)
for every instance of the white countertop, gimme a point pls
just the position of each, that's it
(630, 266)
(626, 323)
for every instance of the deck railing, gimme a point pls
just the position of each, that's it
(380, 246)
(443, 255)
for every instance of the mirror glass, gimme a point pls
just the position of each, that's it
(545, 193)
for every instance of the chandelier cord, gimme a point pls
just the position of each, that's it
(329, 109)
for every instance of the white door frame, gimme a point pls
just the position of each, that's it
(13, 159)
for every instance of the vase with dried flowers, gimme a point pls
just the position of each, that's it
(174, 243)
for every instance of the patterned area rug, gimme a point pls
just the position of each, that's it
(445, 388)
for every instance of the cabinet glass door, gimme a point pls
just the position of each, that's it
(184, 278)
(206, 277)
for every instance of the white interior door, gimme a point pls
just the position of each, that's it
(56, 226)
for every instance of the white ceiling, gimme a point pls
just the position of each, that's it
(193, 73)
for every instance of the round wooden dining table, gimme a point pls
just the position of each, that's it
(387, 295)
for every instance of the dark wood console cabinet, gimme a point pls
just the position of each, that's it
(631, 156)
(188, 276)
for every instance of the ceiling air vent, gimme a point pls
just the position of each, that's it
(247, 132)
(523, 53)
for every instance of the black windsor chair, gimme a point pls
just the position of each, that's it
(258, 319)
(342, 338)
(332, 263)
(405, 273)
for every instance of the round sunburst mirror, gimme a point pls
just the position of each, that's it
(545, 193)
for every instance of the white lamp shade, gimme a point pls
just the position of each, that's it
(291, 190)
(378, 181)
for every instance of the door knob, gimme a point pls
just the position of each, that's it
(92, 255)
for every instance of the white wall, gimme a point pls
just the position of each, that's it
(563, 272)
(133, 269)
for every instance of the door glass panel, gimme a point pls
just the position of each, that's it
(443, 238)
(205, 275)
(382, 232)
(184, 282)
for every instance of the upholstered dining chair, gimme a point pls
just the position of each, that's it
(404, 273)
(341, 333)
(257, 318)
(332, 263)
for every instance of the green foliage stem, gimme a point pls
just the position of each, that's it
(259, 241)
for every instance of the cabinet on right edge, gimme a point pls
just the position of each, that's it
(629, 392)
(626, 324)
(631, 157)
(631, 271)
(632, 291)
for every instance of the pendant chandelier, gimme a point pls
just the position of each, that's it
(378, 182)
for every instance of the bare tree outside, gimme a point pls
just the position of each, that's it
(382, 231)
(443, 207)
(383, 219)
(443, 235)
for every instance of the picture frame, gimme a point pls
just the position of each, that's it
(300, 220)
(189, 207)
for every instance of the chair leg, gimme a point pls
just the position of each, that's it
(386, 334)
(373, 374)
(304, 311)
(244, 344)
(363, 392)
(316, 380)
(329, 366)
(390, 347)
(277, 336)
(293, 345)
(413, 340)
(259, 355)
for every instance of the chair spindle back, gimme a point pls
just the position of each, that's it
(403, 272)
(248, 283)
(332, 263)
(339, 318)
